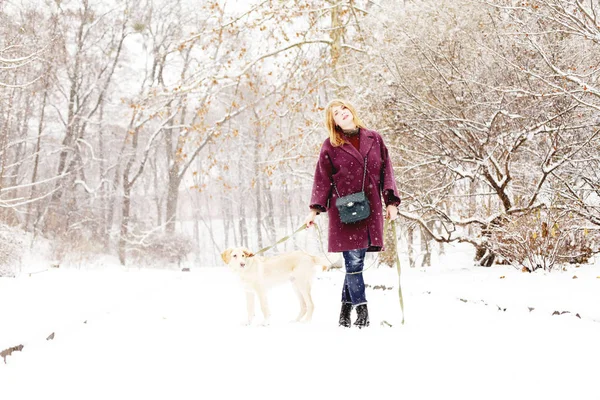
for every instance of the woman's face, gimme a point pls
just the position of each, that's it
(343, 117)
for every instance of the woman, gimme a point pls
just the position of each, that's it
(340, 170)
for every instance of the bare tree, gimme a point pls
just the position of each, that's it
(22, 48)
(564, 36)
(463, 114)
(92, 39)
(109, 109)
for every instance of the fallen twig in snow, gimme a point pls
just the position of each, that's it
(37, 272)
(529, 308)
(565, 312)
(381, 287)
(7, 352)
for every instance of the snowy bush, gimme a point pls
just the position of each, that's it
(543, 239)
(163, 248)
(11, 250)
(76, 246)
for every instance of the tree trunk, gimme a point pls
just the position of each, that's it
(105, 190)
(243, 228)
(172, 198)
(126, 206)
(336, 35)
(484, 256)
(68, 140)
(227, 218)
(235, 235)
(22, 132)
(472, 204)
(4, 140)
(258, 211)
(257, 187)
(36, 161)
(157, 199)
(442, 246)
(288, 213)
(425, 247)
(270, 217)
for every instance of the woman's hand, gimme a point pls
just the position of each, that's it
(310, 218)
(391, 212)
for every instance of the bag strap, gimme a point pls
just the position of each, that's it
(364, 175)
(363, 183)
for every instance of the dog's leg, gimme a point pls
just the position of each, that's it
(305, 289)
(250, 306)
(264, 306)
(300, 300)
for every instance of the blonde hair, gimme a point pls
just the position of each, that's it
(336, 135)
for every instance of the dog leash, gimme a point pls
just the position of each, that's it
(399, 270)
(283, 239)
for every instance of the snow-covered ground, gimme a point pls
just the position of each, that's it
(470, 333)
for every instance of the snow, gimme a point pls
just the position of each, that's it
(135, 333)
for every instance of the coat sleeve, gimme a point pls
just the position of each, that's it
(388, 181)
(322, 183)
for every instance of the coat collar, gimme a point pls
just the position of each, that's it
(365, 143)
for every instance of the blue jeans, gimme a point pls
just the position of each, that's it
(354, 284)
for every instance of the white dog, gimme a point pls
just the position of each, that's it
(258, 274)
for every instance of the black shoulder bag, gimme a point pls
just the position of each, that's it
(353, 207)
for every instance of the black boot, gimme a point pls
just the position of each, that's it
(345, 315)
(362, 316)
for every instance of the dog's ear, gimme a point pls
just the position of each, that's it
(226, 255)
(248, 253)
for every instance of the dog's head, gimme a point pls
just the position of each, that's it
(236, 257)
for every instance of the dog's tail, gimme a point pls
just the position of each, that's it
(326, 262)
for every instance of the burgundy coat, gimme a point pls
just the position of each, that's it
(344, 166)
